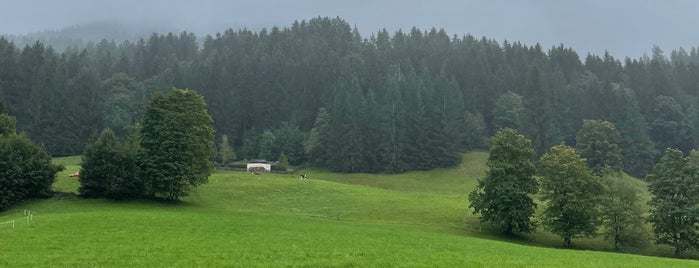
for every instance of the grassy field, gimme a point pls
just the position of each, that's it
(417, 219)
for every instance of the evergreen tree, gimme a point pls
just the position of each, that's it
(178, 144)
(537, 111)
(502, 197)
(638, 151)
(571, 192)
(316, 144)
(474, 135)
(666, 126)
(508, 111)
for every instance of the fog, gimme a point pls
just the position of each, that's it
(623, 27)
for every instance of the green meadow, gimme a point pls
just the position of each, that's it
(416, 219)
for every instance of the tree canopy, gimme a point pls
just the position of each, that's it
(390, 95)
(177, 142)
(502, 197)
(674, 183)
(598, 142)
(571, 192)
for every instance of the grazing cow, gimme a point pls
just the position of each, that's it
(303, 177)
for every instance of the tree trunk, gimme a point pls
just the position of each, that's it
(566, 241)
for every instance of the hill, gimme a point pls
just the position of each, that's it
(331, 219)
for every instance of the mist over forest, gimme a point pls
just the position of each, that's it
(384, 102)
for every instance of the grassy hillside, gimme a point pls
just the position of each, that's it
(238, 219)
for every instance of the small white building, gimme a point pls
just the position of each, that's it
(267, 167)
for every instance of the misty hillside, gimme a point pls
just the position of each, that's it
(79, 35)
(318, 91)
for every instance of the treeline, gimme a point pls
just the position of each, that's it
(583, 193)
(393, 102)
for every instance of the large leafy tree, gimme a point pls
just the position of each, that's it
(571, 193)
(26, 170)
(674, 184)
(177, 142)
(503, 195)
(598, 142)
(109, 168)
(621, 212)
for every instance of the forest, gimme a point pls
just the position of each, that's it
(319, 92)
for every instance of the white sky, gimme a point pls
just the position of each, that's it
(624, 27)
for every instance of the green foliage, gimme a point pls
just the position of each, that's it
(8, 125)
(508, 111)
(123, 103)
(178, 144)
(225, 154)
(283, 162)
(621, 212)
(674, 183)
(109, 168)
(598, 142)
(571, 192)
(537, 111)
(288, 139)
(403, 95)
(316, 144)
(502, 197)
(637, 148)
(667, 123)
(475, 131)
(26, 170)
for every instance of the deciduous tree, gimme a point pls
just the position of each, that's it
(571, 193)
(503, 195)
(674, 183)
(178, 144)
(598, 142)
(621, 212)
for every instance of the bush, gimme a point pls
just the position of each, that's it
(26, 170)
(109, 169)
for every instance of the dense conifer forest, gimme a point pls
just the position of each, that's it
(317, 91)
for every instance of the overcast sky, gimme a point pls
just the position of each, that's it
(623, 27)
